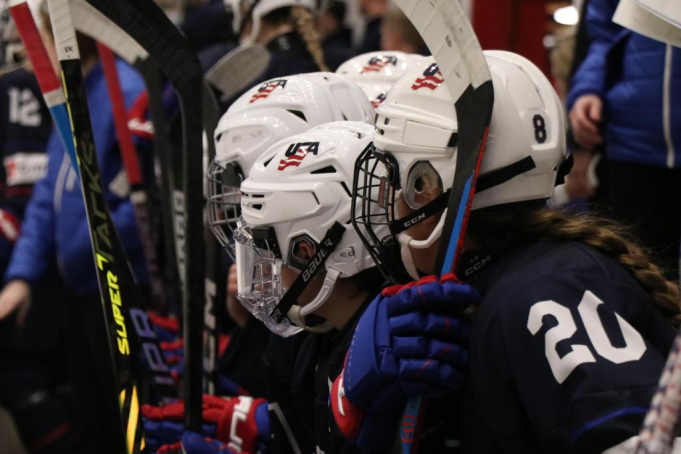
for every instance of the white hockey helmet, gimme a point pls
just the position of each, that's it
(255, 10)
(377, 72)
(266, 113)
(296, 207)
(417, 135)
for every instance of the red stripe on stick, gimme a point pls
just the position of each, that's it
(123, 134)
(33, 43)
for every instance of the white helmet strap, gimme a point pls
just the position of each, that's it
(407, 242)
(297, 314)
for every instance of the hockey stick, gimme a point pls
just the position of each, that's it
(161, 381)
(138, 195)
(147, 24)
(93, 23)
(660, 425)
(450, 38)
(211, 338)
(237, 70)
(47, 79)
(114, 277)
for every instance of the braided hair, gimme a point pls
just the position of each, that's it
(303, 22)
(497, 227)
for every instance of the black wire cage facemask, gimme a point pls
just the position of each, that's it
(376, 184)
(224, 202)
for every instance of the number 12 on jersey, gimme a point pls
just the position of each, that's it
(562, 367)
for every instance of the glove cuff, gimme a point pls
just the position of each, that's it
(238, 426)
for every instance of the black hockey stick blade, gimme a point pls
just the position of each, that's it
(211, 338)
(237, 70)
(146, 23)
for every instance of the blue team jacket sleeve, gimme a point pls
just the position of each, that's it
(35, 247)
(567, 360)
(591, 75)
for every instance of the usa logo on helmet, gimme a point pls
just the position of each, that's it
(432, 78)
(296, 152)
(267, 88)
(376, 64)
(378, 100)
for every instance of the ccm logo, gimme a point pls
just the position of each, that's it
(477, 266)
(415, 220)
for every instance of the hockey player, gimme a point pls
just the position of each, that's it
(575, 323)
(377, 72)
(258, 119)
(55, 227)
(301, 267)
(286, 29)
(265, 114)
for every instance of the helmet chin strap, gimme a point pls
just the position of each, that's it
(407, 243)
(298, 313)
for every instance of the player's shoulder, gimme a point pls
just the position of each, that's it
(18, 77)
(563, 272)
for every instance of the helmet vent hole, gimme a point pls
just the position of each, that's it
(327, 169)
(299, 114)
(386, 121)
(315, 198)
(266, 163)
(257, 206)
(453, 140)
(218, 137)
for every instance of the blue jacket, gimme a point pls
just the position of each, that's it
(639, 81)
(55, 222)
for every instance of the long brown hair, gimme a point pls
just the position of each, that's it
(497, 227)
(305, 26)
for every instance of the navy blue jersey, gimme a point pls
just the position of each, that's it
(566, 350)
(25, 127)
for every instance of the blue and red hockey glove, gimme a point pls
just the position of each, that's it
(241, 422)
(411, 340)
(167, 331)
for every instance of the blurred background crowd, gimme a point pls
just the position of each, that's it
(622, 92)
